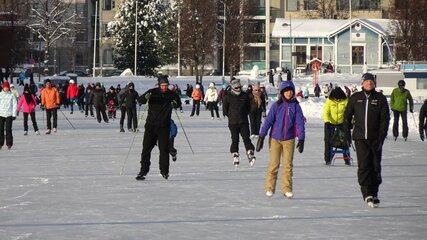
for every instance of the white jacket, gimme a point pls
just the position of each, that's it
(8, 104)
(211, 95)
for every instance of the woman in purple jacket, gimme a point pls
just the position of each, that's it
(286, 121)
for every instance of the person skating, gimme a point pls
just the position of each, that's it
(333, 116)
(50, 102)
(122, 105)
(72, 94)
(285, 120)
(130, 98)
(197, 96)
(211, 100)
(160, 102)
(423, 121)
(80, 97)
(236, 106)
(257, 110)
(87, 100)
(399, 105)
(317, 90)
(8, 105)
(28, 104)
(112, 102)
(368, 112)
(99, 102)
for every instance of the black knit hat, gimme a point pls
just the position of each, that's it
(162, 79)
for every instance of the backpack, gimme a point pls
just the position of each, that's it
(337, 139)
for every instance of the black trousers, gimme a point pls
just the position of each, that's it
(122, 116)
(6, 124)
(33, 119)
(404, 115)
(196, 108)
(255, 120)
(369, 167)
(213, 106)
(241, 129)
(53, 112)
(100, 110)
(89, 107)
(155, 135)
(132, 118)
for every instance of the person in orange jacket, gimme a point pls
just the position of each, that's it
(50, 102)
(72, 94)
(197, 97)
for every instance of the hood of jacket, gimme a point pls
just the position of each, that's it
(287, 85)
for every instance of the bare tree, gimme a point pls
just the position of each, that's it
(410, 29)
(239, 31)
(51, 20)
(198, 21)
(327, 9)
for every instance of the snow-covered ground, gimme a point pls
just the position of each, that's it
(67, 185)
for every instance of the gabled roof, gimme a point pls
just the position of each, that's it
(313, 28)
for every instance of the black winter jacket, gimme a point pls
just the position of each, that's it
(369, 114)
(97, 98)
(160, 106)
(236, 107)
(130, 98)
(423, 117)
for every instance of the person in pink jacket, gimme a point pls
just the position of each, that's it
(72, 94)
(28, 104)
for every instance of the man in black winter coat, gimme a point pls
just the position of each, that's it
(236, 106)
(369, 111)
(160, 102)
(130, 99)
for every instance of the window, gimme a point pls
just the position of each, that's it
(421, 83)
(358, 55)
(310, 5)
(301, 55)
(366, 4)
(109, 4)
(316, 52)
(292, 5)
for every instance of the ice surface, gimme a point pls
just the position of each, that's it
(67, 185)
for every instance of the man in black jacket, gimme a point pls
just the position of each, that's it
(130, 98)
(160, 101)
(236, 106)
(369, 111)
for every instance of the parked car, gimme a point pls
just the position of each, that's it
(79, 73)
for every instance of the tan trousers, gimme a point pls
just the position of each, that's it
(284, 149)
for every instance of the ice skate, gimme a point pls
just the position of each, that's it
(25, 133)
(140, 177)
(236, 159)
(289, 195)
(269, 193)
(251, 157)
(372, 202)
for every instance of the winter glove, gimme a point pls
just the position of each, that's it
(259, 144)
(42, 107)
(264, 114)
(300, 146)
(422, 137)
(411, 110)
(13, 118)
(147, 96)
(58, 106)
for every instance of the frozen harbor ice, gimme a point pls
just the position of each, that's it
(67, 186)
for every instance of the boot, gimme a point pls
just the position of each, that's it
(121, 128)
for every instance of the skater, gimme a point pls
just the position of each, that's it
(197, 96)
(423, 121)
(87, 99)
(99, 102)
(317, 90)
(130, 98)
(160, 102)
(236, 107)
(80, 98)
(257, 110)
(399, 105)
(177, 90)
(72, 94)
(28, 104)
(368, 112)
(211, 99)
(111, 102)
(172, 134)
(333, 115)
(8, 106)
(122, 105)
(285, 120)
(50, 103)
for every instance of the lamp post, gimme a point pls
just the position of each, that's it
(179, 40)
(223, 44)
(40, 53)
(136, 37)
(290, 37)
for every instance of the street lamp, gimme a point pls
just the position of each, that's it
(136, 37)
(223, 44)
(290, 37)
